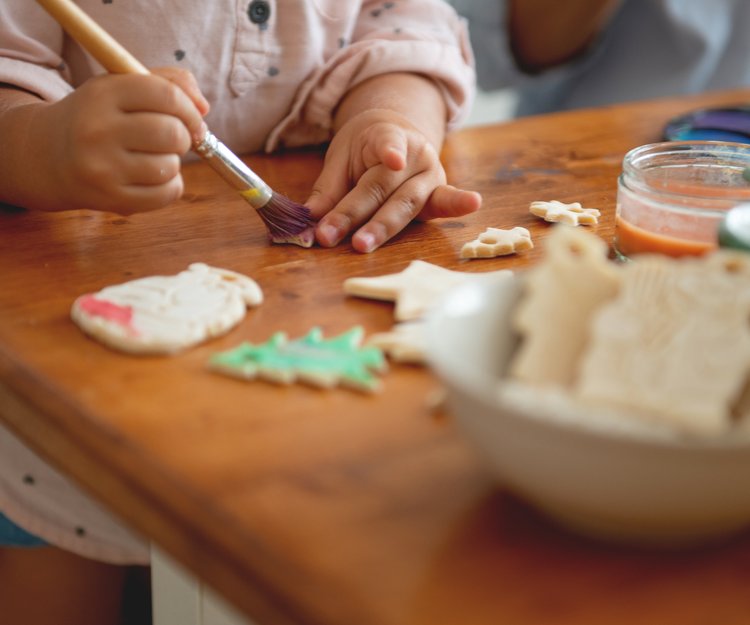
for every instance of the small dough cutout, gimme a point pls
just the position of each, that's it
(166, 314)
(571, 214)
(498, 242)
(405, 343)
(312, 359)
(416, 288)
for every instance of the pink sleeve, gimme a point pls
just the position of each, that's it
(30, 46)
(424, 37)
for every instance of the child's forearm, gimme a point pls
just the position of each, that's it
(22, 175)
(413, 96)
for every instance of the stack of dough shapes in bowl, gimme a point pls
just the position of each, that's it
(666, 340)
(166, 314)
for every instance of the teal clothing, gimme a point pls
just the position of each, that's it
(13, 536)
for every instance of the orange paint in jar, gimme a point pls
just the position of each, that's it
(631, 240)
(672, 196)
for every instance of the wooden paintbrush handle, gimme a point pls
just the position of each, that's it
(93, 38)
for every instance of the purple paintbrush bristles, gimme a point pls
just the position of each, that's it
(287, 221)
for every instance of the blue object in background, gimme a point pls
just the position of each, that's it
(717, 124)
(13, 536)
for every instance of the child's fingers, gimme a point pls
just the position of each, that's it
(400, 209)
(155, 133)
(160, 96)
(135, 182)
(448, 201)
(395, 213)
(128, 199)
(148, 169)
(186, 81)
(388, 147)
(372, 191)
(327, 190)
(142, 198)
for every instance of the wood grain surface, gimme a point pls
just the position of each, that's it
(314, 507)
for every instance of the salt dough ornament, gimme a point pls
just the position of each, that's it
(405, 342)
(416, 288)
(166, 314)
(560, 297)
(311, 359)
(498, 242)
(674, 345)
(571, 214)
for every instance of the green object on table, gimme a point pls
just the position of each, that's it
(734, 228)
(312, 358)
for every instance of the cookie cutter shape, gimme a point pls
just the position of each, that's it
(416, 288)
(311, 359)
(571, 214)
(166, 314)
(498, 242)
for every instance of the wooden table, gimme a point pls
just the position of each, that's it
(330, 507)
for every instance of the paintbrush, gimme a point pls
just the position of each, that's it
(286, 221)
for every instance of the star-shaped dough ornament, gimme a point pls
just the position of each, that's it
(405, 342)
(416, 288)
(571, 214)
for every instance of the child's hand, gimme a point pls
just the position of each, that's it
(382, 172)
(116, 142)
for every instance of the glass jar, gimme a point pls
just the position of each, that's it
(672, 196)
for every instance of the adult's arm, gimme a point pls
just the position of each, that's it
(547, 33)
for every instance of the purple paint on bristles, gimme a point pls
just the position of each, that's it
(288, 221)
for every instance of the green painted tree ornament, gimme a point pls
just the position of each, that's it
(311, 359)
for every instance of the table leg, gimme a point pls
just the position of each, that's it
(180, 599)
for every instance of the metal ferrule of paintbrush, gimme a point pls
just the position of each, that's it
(229, 166)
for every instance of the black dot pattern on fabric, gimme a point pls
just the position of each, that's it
(29, 479)
(259, 11)
(273, 71)
(80, 531)
(386, 6)
(179, 54)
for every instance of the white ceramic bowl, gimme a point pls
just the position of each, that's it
(601, 473)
